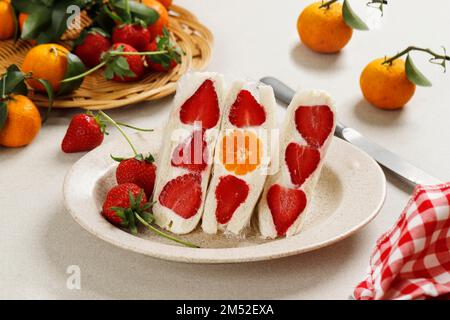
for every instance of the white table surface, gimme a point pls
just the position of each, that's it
(253, 38)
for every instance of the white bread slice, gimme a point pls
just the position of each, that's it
(254, 179)
(282, 177)
(175, 133)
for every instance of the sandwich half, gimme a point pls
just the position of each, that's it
(304, 139)
(187, 151)
(242, 158)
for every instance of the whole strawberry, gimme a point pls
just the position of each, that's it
(134, 35)
(85, 132)
(91, 46)
(138, 170)
(164, 62)
(124, 68)
(122, 203)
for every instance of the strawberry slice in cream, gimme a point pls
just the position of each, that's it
(188, 147)
(242, 158)
(304, 139)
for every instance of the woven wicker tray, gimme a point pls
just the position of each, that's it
(98, 93)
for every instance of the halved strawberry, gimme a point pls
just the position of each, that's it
(192, 153)
(301, 162)
(246, 111)
(202, 106)
(314, 123)
(183, 195)
(285, 205)
(231, 192)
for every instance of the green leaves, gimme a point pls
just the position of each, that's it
(74, 68)
(144, 13)
(123, 11)
(48, 87)
(13, 81)
(47, 19)
(38, 20)
(352, 19)
(3, 114)
(414, 75)
(174, 53)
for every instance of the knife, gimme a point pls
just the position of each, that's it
(390, 161)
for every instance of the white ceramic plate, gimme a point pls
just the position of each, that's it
(350, 193)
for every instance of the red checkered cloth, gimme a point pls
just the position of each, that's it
(412, 259)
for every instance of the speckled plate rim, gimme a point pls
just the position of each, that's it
(85, 212)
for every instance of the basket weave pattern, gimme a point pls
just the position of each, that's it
(98, 93)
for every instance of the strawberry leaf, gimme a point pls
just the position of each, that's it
(117, 159)
(148, 217)
(3, 114)
(118, 66)
(351, 18)
(132, 200)
(414, 75)
(164, 43)
(132, 221)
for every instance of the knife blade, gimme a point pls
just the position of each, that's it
(390, 161)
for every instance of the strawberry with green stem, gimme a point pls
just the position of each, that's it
(126, 204)
(86, 132)
(139, 169)
(120, 62)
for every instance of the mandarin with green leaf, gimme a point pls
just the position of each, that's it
(323, 29)
(386, 85)
(48, 62)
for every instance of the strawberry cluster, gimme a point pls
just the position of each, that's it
(129, 54)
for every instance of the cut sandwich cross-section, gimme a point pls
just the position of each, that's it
(231, 192)
(246, 111)
(314, 123)
(183, 195)
(306, 135)
(285, 205)
(301, 161)
(192, 154)
(202, 107)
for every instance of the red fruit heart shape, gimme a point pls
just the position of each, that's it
(183, 195)
(301, 162)
(231, 192)
(191, 154)
(246, 111)
(285, 205)
(314, 123)
(202, 106)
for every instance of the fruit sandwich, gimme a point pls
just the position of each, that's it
(242, 158)
(187, 151)
(304, 139)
